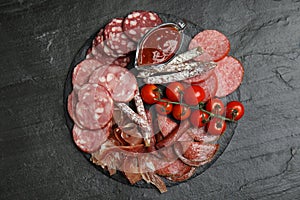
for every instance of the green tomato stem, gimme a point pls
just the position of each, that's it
(199, 107)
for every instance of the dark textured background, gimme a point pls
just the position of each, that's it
(38, 42)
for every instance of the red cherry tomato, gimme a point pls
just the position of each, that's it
(164, 108)
(215, 106)
(194, 95)
(181, 112)
(199, 118)
(150, 93)
(235, 110)
(216, 126)
(174, 91)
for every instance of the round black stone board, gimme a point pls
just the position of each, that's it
(190, 30)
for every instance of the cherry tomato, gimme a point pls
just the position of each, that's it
(215, 106)
(216, 126)
(150, 93)
(235, 110)
(194, 95)
(174, 91)
(199, 118)
(164, 108)
(181, 112)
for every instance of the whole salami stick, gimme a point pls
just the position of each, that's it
(141, 111)
(167, 78)
(186, 56)
(168, 68)
(136, 119)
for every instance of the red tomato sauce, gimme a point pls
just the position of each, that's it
(160, 46)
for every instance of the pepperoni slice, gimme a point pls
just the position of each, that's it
(230, 74)
(121, 83)
(116, 39)
(137, 23)
(210, 87)
(83, 71)
(90, 140)
(95, 106)
(215, 45)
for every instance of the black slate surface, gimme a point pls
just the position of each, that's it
(38, 42)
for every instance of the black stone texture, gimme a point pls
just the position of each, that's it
(39, 40)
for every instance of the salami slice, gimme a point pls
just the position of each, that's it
(72, 101)
(95, 107)
(137, 23)
(184, 177)
(165, 124)
(88, 140)
(199, 152)
(116, 39)
(175, 168)
(121, 83)
(215, 45)
(200, 135)
(230, 74)
(105, 55)
(83, 71)
(210, 87)
(99, 48)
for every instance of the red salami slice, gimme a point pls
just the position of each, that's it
(200, 135)
(72, 101)
(90, 141)
(95, 107)
(121, 83)
(210, 87)
(184, 177)
(230, 74)
(137, 23)
(199, 152)
(215, 45)
(116, 39)
(175, 168)
(83, 71)
(165, 124)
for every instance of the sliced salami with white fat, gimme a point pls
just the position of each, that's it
(116, 39)
(120, 82)
(137, 23)
(95, 106)
(83, 71)
(90, 140)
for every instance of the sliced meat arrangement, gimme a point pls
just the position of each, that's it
(116, 39)
(153, 132)
(137, 23)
